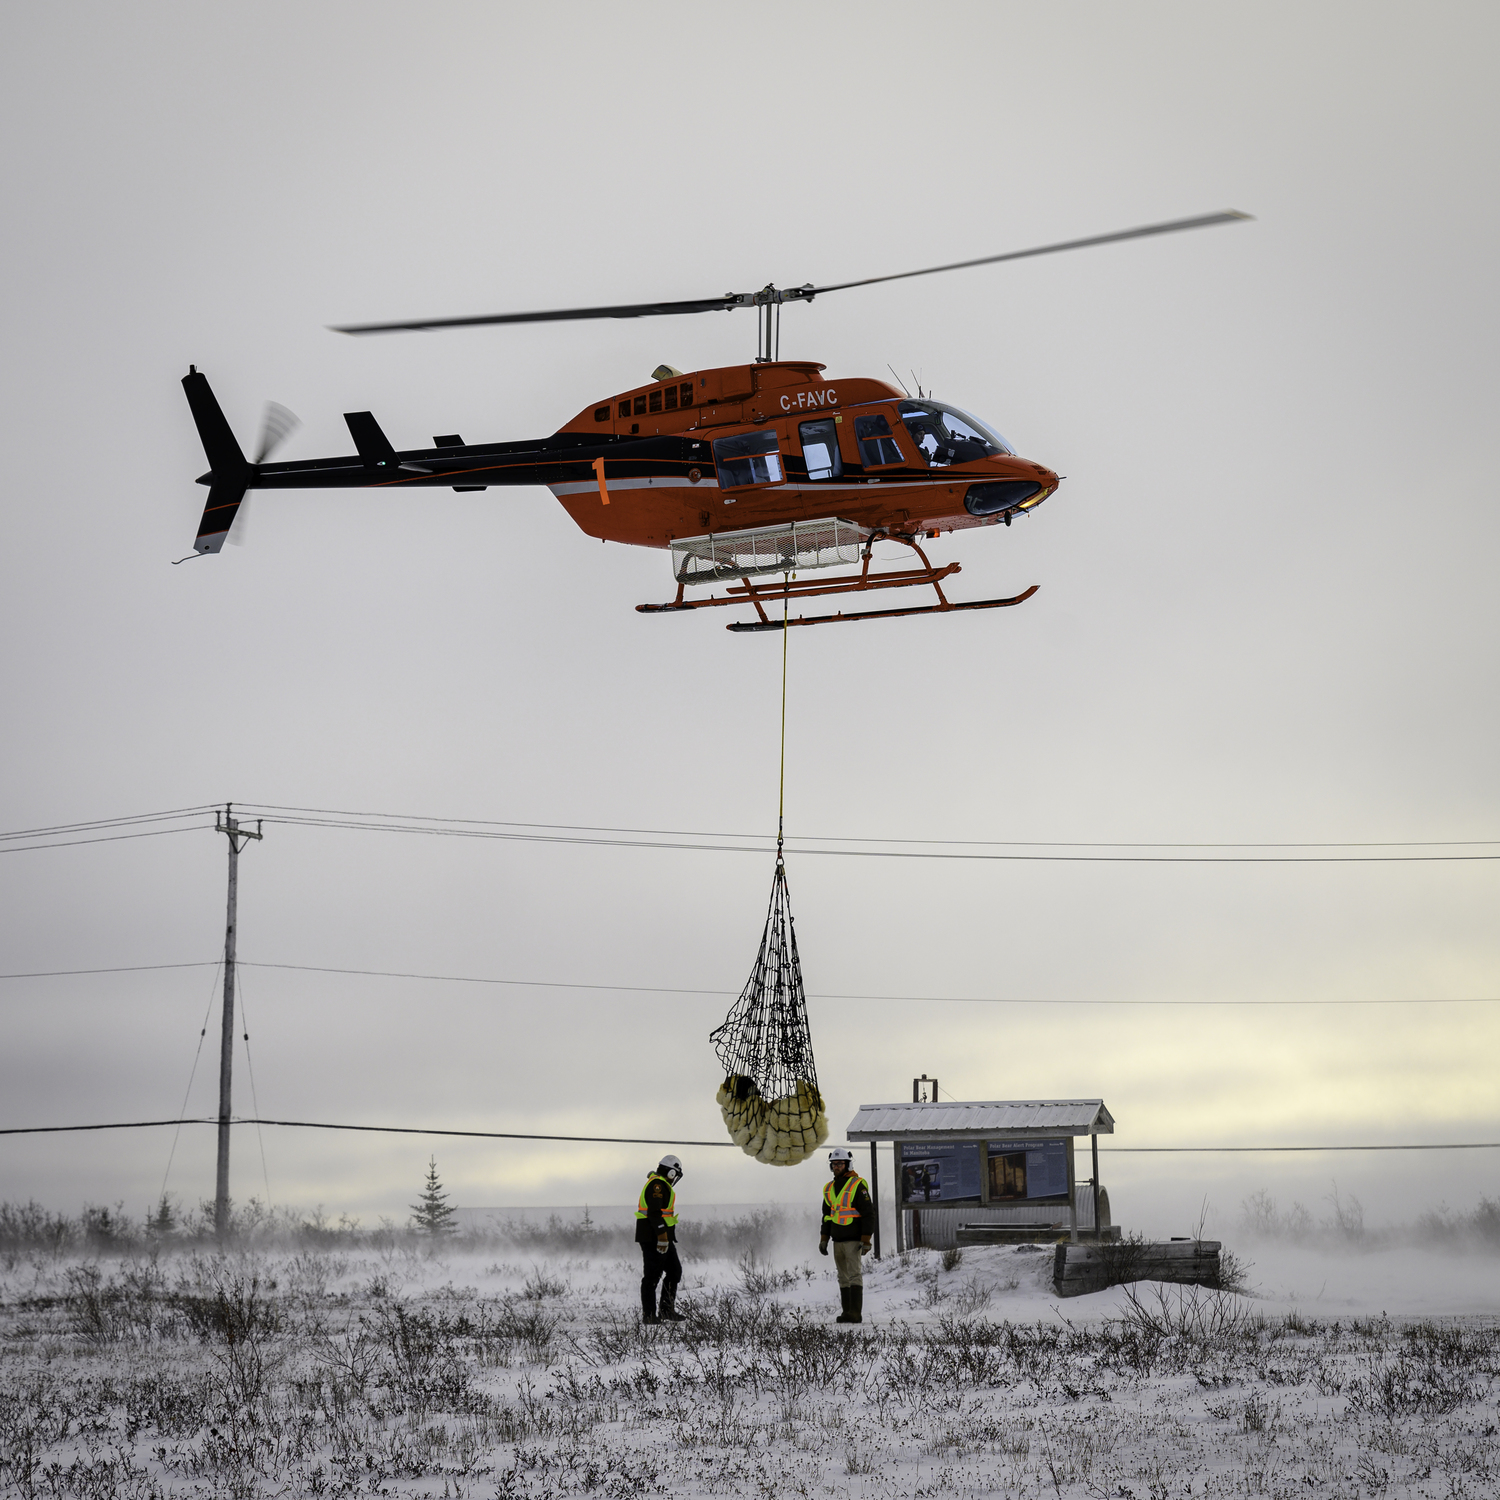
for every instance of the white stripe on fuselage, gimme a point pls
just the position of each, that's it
(587, 486)
(813, 487)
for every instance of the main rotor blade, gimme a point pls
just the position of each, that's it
(1229, 216)
(794, 294)
(560, 315)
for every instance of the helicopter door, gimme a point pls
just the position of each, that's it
(820, 447)
(749, 460)
(877, 443)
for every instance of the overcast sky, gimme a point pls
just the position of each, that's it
(1267, 605)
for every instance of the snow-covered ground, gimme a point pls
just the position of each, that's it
(506, 1371)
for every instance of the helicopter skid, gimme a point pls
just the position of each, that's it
(883, 614)
(746, 592)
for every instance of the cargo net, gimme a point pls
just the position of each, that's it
(769, 1098)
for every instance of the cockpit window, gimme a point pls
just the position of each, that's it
(946, 435)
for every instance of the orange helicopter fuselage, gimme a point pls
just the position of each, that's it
(886, 482)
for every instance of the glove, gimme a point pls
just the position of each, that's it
(663, 1245)
(864, 1247)
(822, 1247)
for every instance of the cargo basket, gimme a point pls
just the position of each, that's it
(773, 549)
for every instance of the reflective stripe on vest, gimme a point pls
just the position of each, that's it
(839, 1206)
(669, 1214)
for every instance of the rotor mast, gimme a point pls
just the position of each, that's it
(767, 304)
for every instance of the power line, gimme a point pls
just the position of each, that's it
(691, 843)
(734, 843)
(656, 989)
(495, 1135)
(113, 1125)
(616, 1140)
(113, 838)
(464, 823)
(1418, 1146)
(206, 963)
(97, 823)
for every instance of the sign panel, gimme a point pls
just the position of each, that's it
(939, 1171)
(1020, 1171)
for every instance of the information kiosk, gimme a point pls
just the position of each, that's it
(1003, 1169)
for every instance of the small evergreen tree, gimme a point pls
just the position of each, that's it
(162, 1223)
(433, 1214)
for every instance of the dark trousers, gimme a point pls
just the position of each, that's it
(654, 1266)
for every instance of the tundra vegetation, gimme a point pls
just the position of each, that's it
(323, 1359)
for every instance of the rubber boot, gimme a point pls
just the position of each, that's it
(856, 1305)
(844, 1297)
(648, 1306)
(669, 1313)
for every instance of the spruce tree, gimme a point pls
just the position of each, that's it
(433, 1214)
(162, 1223)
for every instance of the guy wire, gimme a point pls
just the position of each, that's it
(254, 1098)
(203, 1032)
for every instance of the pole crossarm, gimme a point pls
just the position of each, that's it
(226, 823)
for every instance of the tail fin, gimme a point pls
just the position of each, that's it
(230, 474)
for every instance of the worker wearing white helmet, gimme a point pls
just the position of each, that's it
(849, 1222)
(656, 1234)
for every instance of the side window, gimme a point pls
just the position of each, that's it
(687, 392)
(749, 459)
(877, 446)
(820, 447)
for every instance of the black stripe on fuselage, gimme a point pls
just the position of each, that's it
(564, 458)
(560, 459)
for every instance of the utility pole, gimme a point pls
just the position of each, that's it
(227, 824)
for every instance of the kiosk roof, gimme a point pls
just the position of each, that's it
(959, 1121)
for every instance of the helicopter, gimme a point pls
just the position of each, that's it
(752, 476)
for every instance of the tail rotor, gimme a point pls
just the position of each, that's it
(277, 424)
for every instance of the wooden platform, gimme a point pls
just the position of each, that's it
(1077, 1269)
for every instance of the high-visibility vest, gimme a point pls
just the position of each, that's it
(669, 1214)
(838, 1203)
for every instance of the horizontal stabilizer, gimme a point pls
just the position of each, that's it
(373, 445)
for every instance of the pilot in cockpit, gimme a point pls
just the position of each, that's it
(924, 435)
(948, 436)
